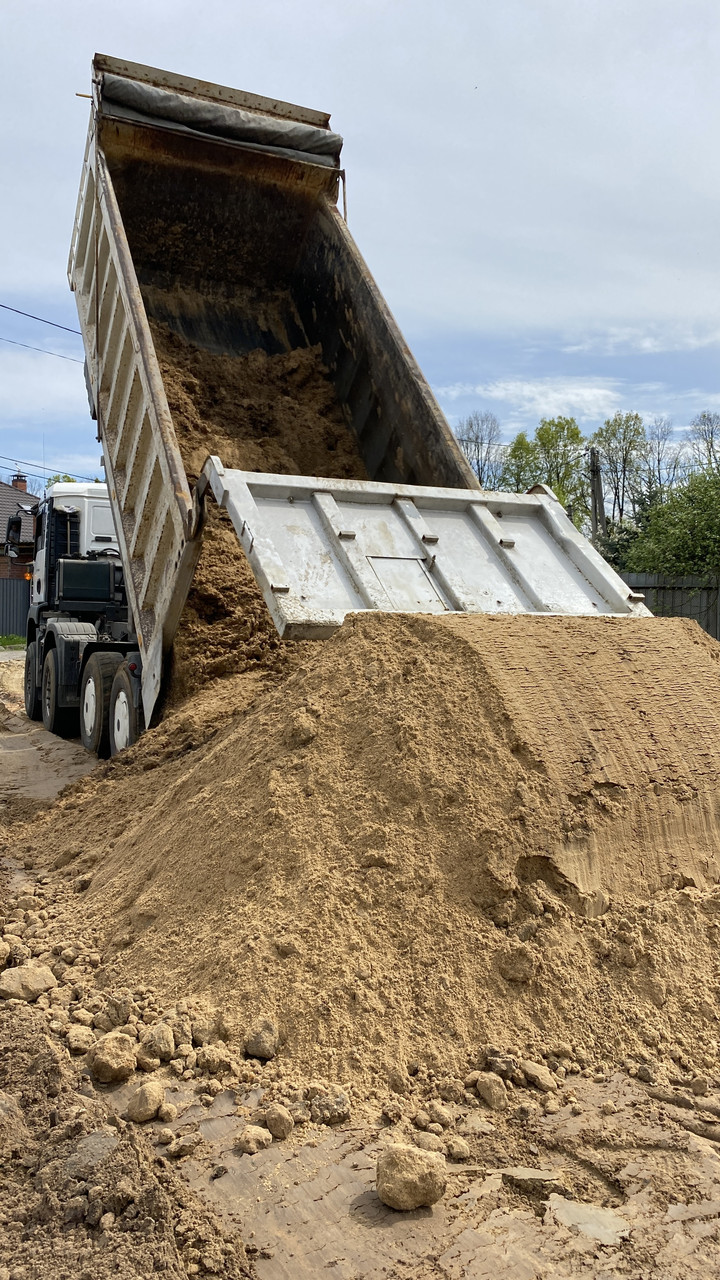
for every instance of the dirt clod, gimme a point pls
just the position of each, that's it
(410, 1179)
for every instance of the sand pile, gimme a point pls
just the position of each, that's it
(428, 835)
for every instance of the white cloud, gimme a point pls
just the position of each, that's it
(584, 399)
(659, 341)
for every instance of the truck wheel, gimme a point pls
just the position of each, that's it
(95, 691)
(60, 720)
(33, 709)
(126, 723)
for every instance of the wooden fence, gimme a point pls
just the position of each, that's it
(680, 598)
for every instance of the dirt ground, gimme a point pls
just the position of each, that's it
(34, 765)
(587, 1157)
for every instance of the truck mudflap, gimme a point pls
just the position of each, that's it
(321, 549)
(69, 638)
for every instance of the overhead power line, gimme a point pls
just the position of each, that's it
(36, 469)
(27, 347)
(41, 319)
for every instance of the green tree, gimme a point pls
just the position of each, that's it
(521, 465)
(682, 535)
(554, 456)
(59, 478)
(622, 444)
(704, 436)
(560, 449)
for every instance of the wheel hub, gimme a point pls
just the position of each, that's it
(121, 721)
(89, 710)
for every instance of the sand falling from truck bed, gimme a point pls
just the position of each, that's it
(425, 835)
(258, 412)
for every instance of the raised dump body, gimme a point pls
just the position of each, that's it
(212, 213)
(207, 233)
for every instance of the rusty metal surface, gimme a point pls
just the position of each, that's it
(206, 89)
(401, 429)
(210, 217)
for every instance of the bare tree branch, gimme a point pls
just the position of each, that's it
(479, 438)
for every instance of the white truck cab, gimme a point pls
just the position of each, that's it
(89, 527)
(82, 663)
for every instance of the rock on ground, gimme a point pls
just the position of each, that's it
(492, 1090)
(332, 1107)
(158, 1041)
(253, 1139)
(263, 1040)
(79, 1039)
(112, 1058)
(428, 1142)
(537, 1074)
(279, 1121)
(146, 1101)
(407, 1178)
(26, 982)
(457, 1149)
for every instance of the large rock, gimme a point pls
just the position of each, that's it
(253, 1139)
(407, 1178)
(158, 1041)
(538, 1075)
(112, 1058)
(26, 982)
(263, 1040)
(146, 1102)
(4, 953)
(80, 1039)
(330, 1107)
(492, 1090)
(279, 1121)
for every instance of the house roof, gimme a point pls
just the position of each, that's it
(9, 499)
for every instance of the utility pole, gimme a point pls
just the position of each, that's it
(597, 500)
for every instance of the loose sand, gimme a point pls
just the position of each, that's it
(257, 412)
(425, 835)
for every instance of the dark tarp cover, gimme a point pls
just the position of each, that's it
(225, 122)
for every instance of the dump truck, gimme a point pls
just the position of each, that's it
(214, 212)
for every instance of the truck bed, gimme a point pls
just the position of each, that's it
(227, 314)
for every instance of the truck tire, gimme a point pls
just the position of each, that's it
(60, 720)
(126, 721)
(95, 690)
(33, 709)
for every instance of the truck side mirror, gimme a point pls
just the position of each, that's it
(12, 536)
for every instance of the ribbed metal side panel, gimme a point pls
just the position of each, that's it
(149, 491)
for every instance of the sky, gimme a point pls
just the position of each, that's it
(534, 185)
